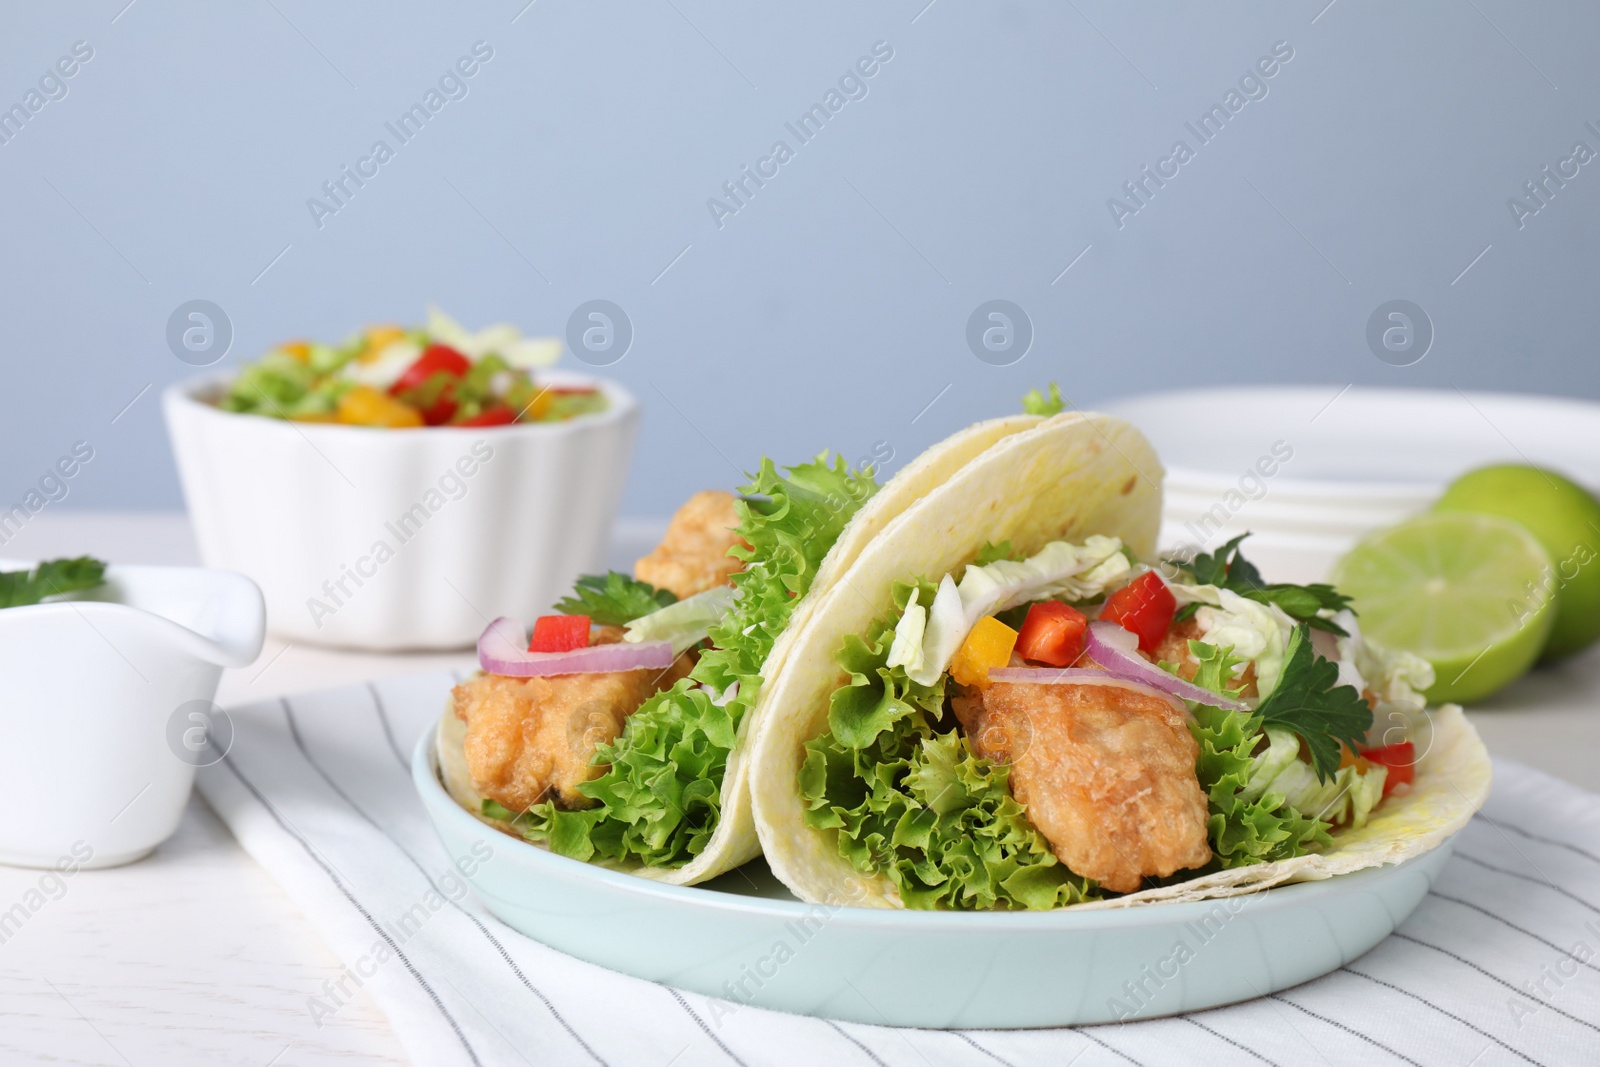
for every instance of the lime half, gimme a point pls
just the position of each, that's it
(1566, 520)
(1465, 592)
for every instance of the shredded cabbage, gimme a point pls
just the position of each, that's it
(1283, 749)
(1393, 675)
(1257, 633)
(502, 339)
(1346, 798)
(686, 622)
(1079, 572)
(906, 651)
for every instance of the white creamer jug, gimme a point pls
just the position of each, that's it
(105, 700)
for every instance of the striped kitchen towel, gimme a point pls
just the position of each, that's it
(1500, 964)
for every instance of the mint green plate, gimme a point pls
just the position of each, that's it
(745, 938)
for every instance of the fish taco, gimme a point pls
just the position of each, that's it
(1009, 702)
(618, 735)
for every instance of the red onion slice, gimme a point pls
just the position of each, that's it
(502, 649)
(1117, 650)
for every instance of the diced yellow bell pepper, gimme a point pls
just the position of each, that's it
(365, 406)
(539, 407)
(314, 416)
(1350, 759)
(988, 646)
(377, 339)
(297, 350)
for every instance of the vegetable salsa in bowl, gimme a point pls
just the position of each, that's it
(393, 377)
(501, 493)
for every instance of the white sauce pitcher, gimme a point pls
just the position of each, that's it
(105, 708)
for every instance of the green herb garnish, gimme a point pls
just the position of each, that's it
(1227, 569)
(1309, 701)
(50, 578)
(614, 599)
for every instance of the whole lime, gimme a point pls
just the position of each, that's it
(1565, 518)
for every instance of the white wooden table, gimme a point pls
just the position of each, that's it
(195, 956)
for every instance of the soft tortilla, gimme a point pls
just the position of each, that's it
(735, 841)
(1072, 476)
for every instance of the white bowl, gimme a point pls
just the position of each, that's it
(100, 707)
(1357, 460)
(400, 539)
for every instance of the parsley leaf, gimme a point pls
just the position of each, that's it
(1222, 567)
(1302, 602)
(1036, 403)
(1186, 612)
(1310, 702)
(1227, 569)
(21, 588)
(614, 599)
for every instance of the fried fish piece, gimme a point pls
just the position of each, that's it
(693, 556)
(530, 737)
(1106, 773)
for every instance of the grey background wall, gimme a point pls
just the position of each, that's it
(976, 162)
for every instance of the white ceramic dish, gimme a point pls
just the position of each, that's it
(918, 968)
(400, 539)
(1358, 459)
(98, 689)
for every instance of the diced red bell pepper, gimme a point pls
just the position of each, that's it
(1401, 759)
(1145, 606)
(559, 633)
(1052, 634)
(498, 415)
(435, 359)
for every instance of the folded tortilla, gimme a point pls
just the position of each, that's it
(734, 841)
(1073, 475)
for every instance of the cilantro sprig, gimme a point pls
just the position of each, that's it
(52, 577)
(614, 599)
(1309, 701)
(1226, 568)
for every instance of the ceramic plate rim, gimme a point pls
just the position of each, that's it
(439, 804)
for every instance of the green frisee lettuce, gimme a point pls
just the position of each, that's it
(1246, 825)
(660, 797)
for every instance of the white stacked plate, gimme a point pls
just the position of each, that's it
(1309, 469)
